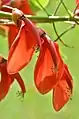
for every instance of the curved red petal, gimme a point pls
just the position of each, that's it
(63, 90)
(33, 31)
(5, 82)
(44, 76)
(21, 50)
(13, 31)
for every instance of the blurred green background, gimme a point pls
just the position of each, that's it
(35, 105)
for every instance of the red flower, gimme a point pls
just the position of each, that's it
(7, 80)
(51, 73)
(49, 67)
(23, 47)
(13, 33)
(24, 6)
(63, 90)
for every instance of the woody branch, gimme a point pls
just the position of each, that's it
(41, 19)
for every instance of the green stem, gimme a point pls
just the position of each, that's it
(6, 22)
(66, 8)
(41, 19)
(68, 29)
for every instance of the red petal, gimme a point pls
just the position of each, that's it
(5, 82)
(69, 79)
(33, 30)
(63, 90)
(77, 9)
(60, 63)
(13, 31)
(44, 76)
(77, 1)
(21, 50)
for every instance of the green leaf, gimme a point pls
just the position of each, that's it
(37, 3)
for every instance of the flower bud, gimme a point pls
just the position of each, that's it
(16, 14)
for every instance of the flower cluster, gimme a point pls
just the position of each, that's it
(50, 73)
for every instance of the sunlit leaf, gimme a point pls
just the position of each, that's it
(38, 3)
